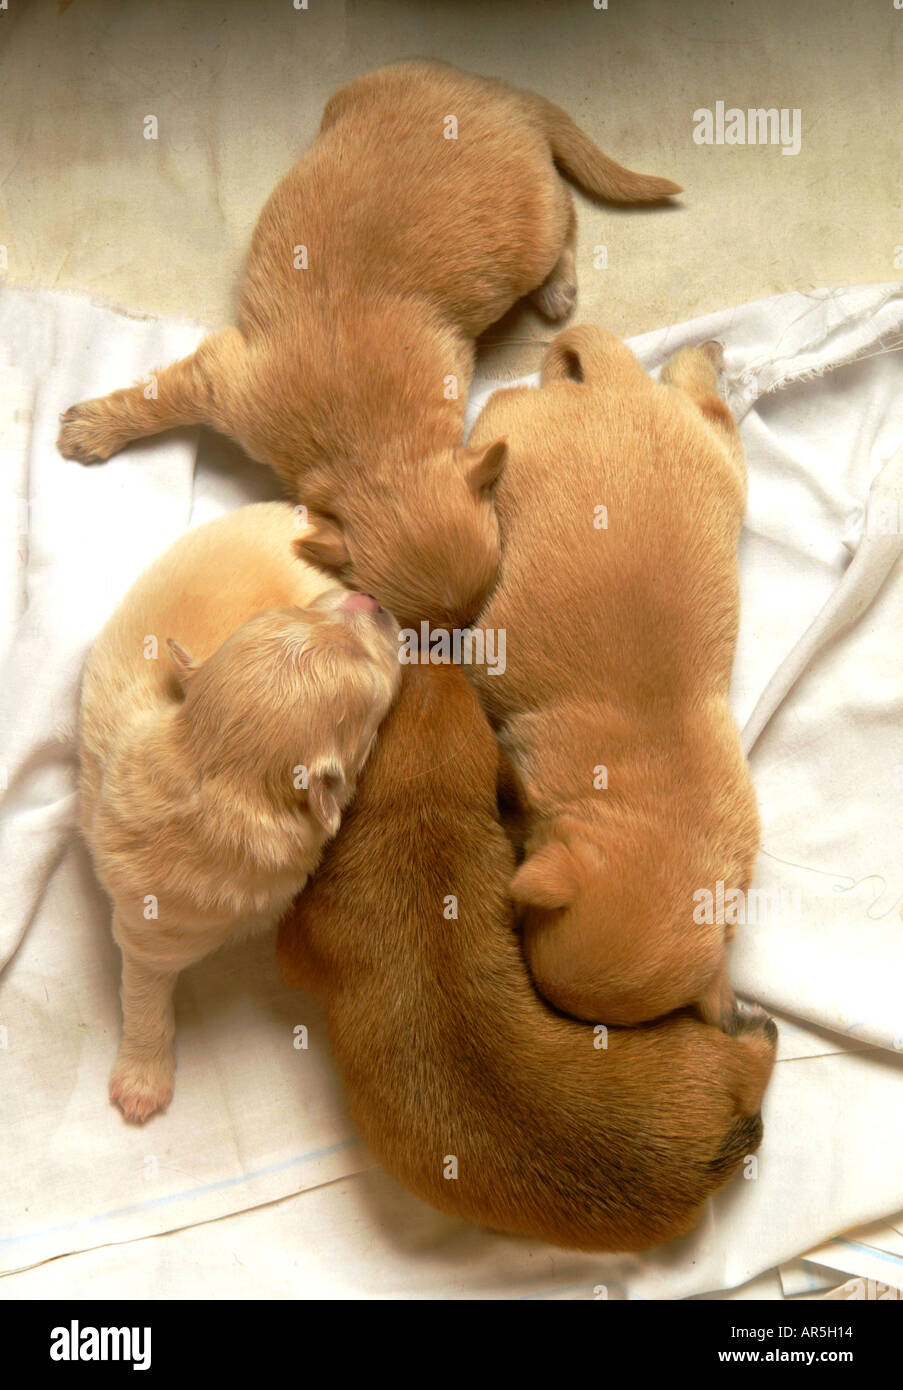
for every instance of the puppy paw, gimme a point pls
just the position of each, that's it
(757, 1036)
(556, 298)
(141, 1086)
(88, 435)
(751, 1021)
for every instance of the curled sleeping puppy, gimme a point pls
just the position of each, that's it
(620, 512)
(466, 1085)
(429, 203)
(226, 710)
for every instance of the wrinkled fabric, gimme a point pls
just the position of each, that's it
(818, 690)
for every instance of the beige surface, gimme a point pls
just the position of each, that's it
(237, 87)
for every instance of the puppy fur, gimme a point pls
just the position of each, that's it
(230, 665)
(349, 377)
(619, 655)
(446, 1051)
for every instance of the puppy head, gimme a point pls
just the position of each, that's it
(610, 939)
(428, 551)
(289, 705)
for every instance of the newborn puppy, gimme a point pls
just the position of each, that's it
(467, 1087)
(428, 204)
(620, 512)
(213, 773)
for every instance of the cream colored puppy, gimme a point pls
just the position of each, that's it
(227, 708)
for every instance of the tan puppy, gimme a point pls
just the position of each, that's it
(429, 203)
(468, 1088)
(212, 774)
(620, 513)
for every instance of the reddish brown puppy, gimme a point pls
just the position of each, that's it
(468, 1088)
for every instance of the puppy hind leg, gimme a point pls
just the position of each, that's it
(141, 1082)
(557, 295)
(189, 392)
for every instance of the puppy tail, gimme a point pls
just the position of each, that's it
(585, 163)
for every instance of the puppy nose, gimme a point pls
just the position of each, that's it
(359, 603)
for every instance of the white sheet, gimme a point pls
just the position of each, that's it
(818, 683)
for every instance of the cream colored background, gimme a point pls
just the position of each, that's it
(162, 226)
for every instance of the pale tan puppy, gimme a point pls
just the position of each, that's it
(468, 1088)
(429, 203)
(227, 708)
(620, 512)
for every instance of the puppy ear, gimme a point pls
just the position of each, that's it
(325, 795)
(546, 878)
(585, 352)
(484, 466)
(183, 663)
(564, 359)
(323, 544)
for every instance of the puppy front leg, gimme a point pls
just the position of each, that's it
(142, 1078)
(189, 392)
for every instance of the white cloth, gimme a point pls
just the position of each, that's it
(818, 685)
